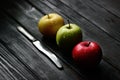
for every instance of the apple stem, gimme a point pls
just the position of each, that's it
(88, 43)
(68, 23)
(48, 15)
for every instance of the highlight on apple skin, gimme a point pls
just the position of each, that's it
(49, 24)
(87, 54)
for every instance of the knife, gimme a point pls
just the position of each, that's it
(40, 47)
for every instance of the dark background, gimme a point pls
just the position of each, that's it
(20, 60)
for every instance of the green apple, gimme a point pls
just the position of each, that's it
(49, 24)
(68, 36)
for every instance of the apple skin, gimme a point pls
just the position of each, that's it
(49, 24)
(68, 36)
(87, 54)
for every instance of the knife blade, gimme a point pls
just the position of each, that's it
(40, 47)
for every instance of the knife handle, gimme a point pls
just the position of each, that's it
(24, 32)
(39, 46)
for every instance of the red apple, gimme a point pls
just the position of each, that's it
(87, 54)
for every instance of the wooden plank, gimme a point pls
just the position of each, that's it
(103, 72)
(11, 68)
(15, 45)
(95, 14)
(62, 13)
(90, 31)
(30, 57)
(4, 75)
(111, 6)
(101, 18)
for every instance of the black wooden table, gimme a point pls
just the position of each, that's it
(20, 60)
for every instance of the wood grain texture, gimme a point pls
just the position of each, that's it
(103, 29)
(95, 14)
(91, 31)
(37, 64)
(11, 67)
(111, 6)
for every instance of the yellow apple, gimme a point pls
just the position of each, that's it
(49, 24)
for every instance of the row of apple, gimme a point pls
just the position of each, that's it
(69, 38)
